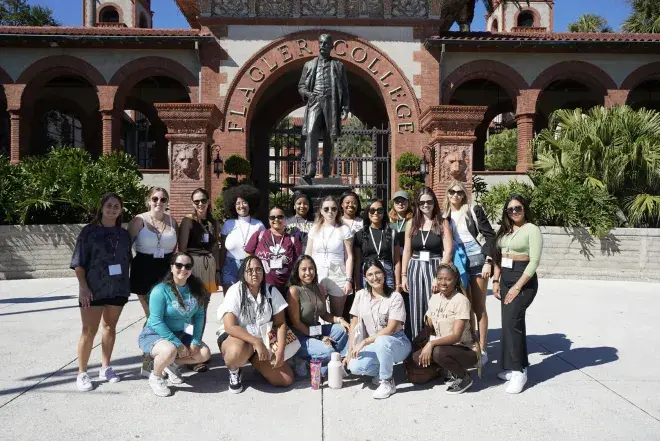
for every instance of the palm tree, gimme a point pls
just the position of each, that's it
(645, 17)
(355, 146)
(616, 148)
(590, 23)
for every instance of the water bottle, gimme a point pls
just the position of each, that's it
(335, 371)
(315, 373)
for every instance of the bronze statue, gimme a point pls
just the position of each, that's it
(323, 86)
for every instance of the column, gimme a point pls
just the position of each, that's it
(15, 137)
(525, 124)
(616, 97)
(108, 118)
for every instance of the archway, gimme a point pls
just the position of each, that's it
(645, 95)
(109, 14)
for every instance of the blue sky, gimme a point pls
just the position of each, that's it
(167, 15)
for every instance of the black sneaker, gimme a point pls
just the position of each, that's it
(236, 381)
(459, 385)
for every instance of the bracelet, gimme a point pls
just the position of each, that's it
(404, 275)
(495, 281)
(349, 279)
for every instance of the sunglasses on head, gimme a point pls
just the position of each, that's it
(329, 209)
(162, 200)
(516, 209)
(200, 201)
(429, 202)
(180, 265)
(456, 192)
(380, 210)
(278, 217)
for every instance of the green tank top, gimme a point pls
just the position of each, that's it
(311, 304)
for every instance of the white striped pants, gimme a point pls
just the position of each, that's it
(420, 278)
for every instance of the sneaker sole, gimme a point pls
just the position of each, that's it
(172, 377)
(80, 389)
(113, 380)
(236, 391)
(162, 394)
(383, 398)
(460, 391)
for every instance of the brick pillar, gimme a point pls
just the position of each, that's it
(109, 118)
(616, 97)
(189, 132)
(15, 138)
(525, 124)
(451, 130)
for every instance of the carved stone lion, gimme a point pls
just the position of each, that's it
(453, 164)
(186, 163)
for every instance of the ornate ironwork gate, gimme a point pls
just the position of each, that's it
(362, 160)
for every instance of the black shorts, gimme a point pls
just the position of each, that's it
(224, 336)
(147, 272)
(112, 301)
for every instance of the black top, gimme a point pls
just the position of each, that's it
(365, 244)
(400, 235)
(191, 234)
(97, 248)
(433, 243)
(481, 225)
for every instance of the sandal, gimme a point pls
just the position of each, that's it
(200, 367)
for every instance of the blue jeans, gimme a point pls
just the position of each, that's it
(311, 347)
(379, 357)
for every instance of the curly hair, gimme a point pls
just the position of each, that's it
(246, 192)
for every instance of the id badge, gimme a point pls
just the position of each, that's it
(507, 262)
(276, 263)
(159, 254)
(114, 270)
(206, 238)
(315, 330)
(189, 329)
(425, 256)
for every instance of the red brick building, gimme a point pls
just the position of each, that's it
(179, 98)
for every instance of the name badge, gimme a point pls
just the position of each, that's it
(315, 330)
(507, 262)
(159, 254)
(114, 270)
(206, 238)
(189, 329)
(425, 256)
(276, 263)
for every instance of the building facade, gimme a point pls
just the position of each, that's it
(178, 99)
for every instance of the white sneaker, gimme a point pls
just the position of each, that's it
(174, 373)
(300, 367)
(84, 383)
(386, 388)
(484, 358)
(109, 375)
(504, 375)
(517, 382)
(158, 386)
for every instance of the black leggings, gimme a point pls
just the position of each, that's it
(455, 358)
(514, 331)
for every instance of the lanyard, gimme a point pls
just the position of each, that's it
(371, 310)
(245, 236)
(114, 248)
(325, 241)
(380, 244)
(276, 251)
(159, 233)
(508, 245)
(402, 223)
(424, 239)
(316, 305)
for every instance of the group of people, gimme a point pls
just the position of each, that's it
(404, 285)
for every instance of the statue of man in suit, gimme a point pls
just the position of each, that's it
(323, 86)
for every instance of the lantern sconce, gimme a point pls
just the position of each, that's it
(218, 163)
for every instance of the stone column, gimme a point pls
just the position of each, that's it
(616, 97)
(109, 121)
(15, 136)
(451, 130)
(525, 123)
(189, 132)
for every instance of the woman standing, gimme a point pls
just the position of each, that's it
(241, 203)
(248, 304)
(519, 246)
(198, 236)
(178, 301)
(101, 261)
(399, 215)
(467, 222)
(306, 309)
(277, 249)
(154, 236)
(330, 244)
(349, 202)
(302, 220)
(428, 243)
(378, 316)
(377, 241)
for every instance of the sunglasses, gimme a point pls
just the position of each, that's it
(187, 266)
(516, 209)
(456, 192)
(429, 202)
(400, 201)
(162, 200)
(251, 271)
(201, 202)
(376, 210)
(279, 217)
(329, 209)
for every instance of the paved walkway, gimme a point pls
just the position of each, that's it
(594, 376)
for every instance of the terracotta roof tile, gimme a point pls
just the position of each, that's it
(519, 36)
(114, 31)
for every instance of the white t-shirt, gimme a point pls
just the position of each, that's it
(459, 227)
(238, 232)
(375, 314)
(354, 225)
(328, 244)
(232, 303)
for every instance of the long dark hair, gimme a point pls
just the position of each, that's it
(246, 311)
(506, 225)
(209, 216)
(294, 280)
(310, 213)
(387, 291)
(197, 288)
(384, 227)
(418, 217)
(346, 194)
(99, 213)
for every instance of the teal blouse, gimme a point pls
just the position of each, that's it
(167, 316)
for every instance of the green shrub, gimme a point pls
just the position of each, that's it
(479, 188)
(280, 199)
(502, 150)
(238, 166)
(219, 209)
(493, 200)
(409, 177)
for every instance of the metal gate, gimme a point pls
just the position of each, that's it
(362, 160)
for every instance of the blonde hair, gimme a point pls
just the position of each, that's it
(155, 190)
(466, 198)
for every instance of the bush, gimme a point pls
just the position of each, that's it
(219, 209)
(502, 150)
(493, 200)
(238, 166)
(409, 177)
(280, 199)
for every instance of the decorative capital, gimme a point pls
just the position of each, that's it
(452, 121)
(189, 118)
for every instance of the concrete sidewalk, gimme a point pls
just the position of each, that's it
(594, 375)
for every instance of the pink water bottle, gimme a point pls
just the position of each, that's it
(315, 373)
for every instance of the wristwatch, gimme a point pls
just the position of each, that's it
(349, 279)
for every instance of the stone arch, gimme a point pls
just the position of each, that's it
(591, 75)
(533, 12)
(643, 73)
(135, 71)
(45, 69)
(503, 75)
(110, 5)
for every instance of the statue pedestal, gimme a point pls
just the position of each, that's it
(321, 188)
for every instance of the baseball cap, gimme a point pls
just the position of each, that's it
(401, 194)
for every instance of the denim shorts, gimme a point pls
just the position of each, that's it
(230, 270)
(148, 339)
